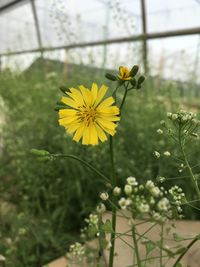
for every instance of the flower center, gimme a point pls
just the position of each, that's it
(87, 115)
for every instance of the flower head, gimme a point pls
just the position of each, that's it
(89, 116)
(124, 73)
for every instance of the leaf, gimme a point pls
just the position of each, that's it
(103, 243)
(107, 227)
(150, 246)
(178, 264)
(177, 237)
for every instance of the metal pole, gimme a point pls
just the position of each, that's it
(138, 37)
(144, 31)
(37, 27)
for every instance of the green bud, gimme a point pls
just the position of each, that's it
(44, 158)
(111, 77)
(133, 82)
(64, 89)
(134, 70)
(141, 80)
(138, 86)
(39, 152)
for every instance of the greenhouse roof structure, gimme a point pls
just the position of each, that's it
(147, 28)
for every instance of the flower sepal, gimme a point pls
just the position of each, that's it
(111, 77)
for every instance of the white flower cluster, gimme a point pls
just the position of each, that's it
(150, 199)
(76, 252)
(177, 196)
(182, 117)
(92, 220)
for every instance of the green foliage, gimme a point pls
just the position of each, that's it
(55, 196)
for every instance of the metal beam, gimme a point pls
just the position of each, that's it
(139, 37)
(9, 5)
(37, 27)
(144, 31)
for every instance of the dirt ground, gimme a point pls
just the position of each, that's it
(187, 229)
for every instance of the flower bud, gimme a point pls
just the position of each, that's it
(104, 196)
(111, 77)
(117, 191)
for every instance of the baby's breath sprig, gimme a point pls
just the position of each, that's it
(183, 127)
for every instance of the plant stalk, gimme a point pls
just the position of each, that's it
(113, 182)
(136, 247)
(194, 181)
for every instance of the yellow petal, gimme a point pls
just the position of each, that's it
(93, 135)
(69, 102)
(107, 126)
(106, 103)
(87, 95)
(86, 136)
(102, 91)
(94, 91)
(79, 133)
(102, 136)
(67, 113)
(73, 127)
(67, 120)
(110, 111)
(109, 118)
(76, 95)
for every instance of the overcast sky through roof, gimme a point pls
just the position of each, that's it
(71, 21)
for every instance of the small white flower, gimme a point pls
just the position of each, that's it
(159, 131)
(117, 191)
(101, 208)
(132, 181)
(155, 191)
(163, 204)
(157, 154)
(174, 117)
(149, 184)
(128, 189)
(144, 208)
(124, 203)
(169, 115)
(167, 154)
(2, 258)
(104, 196)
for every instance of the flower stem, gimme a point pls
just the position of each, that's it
(124, 97)
(136, 247)
(83, 162)
(113, 182)
(194, 180)
(185, 251)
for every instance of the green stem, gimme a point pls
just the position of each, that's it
(185, 251)
(194, 180)
(101, 236)
(124, 97)
(136, 247)
(84, 163)
(113, 182)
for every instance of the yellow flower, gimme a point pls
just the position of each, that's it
(89, 116)
(124, 73)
